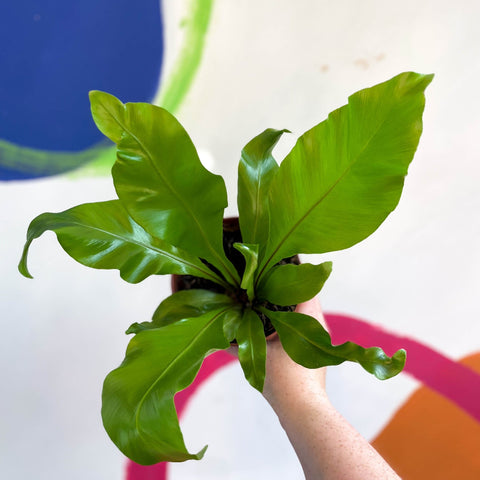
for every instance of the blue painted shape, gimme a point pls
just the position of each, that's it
(54, 51)
(10, 174)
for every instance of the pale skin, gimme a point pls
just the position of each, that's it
(328, 447)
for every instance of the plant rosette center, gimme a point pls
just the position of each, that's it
(231, 236)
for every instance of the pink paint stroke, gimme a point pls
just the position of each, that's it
(450, 379)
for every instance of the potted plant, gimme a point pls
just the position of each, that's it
(335, 187)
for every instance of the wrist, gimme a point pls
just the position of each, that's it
(289, 399)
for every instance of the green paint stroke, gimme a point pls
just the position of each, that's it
(41, 163)
(99, 159)
(186, 65)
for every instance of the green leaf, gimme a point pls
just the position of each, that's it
(102, 235)
(181, 305)
(250, 253)
(309, 344)
(255, 172)
(231, 321)
(106, 110)
(344, 176)
(293, 284)
(252, 348)
(189, 304)
(138, 410)
(161, 181)
(139, 327)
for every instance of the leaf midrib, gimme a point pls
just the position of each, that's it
(146, 246)
(333, 353)
(258, 185)
(327, 192)
(172, 363)
(259, 175)
(174, 192)
(251, 348)
(308, 340)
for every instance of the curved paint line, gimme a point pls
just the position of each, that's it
(442, 444)
(24, 163)
(186, 65)
(452, 380)
(210, 365)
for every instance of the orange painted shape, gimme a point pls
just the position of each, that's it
(431, 438)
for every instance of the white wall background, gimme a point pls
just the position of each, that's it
(275, 64)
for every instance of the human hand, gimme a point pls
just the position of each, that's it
(326, 445)
(285, 380)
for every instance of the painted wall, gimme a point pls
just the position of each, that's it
(230, 70)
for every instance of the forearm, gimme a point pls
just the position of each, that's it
(327, 446)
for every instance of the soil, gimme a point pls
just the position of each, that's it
(231, 235)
